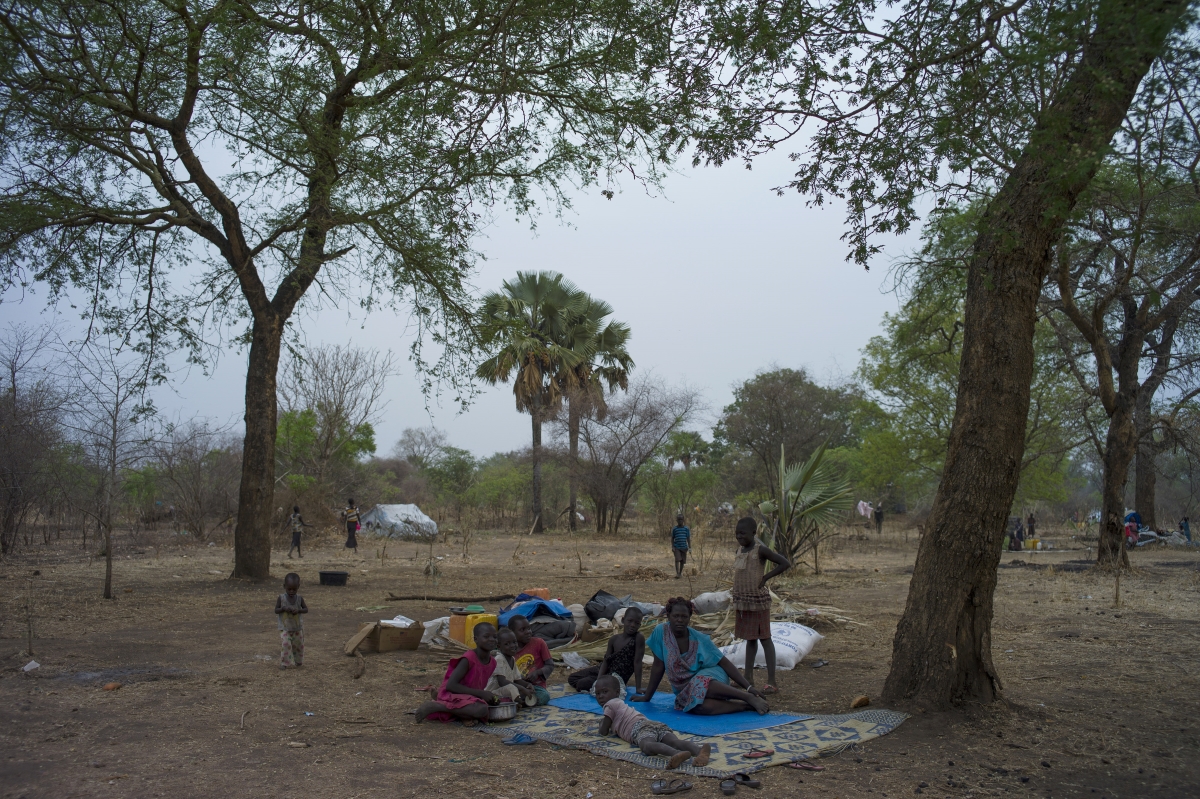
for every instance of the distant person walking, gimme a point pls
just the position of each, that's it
(1030, 524)
(681, 542)
(350, 514)
(298, 523)
(879, 519)
(1186, 529)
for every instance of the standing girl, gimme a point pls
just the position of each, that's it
(752, 598)
(351, 516)
(289, 608)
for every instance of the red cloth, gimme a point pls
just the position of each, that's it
(533, 655)
(477, 677)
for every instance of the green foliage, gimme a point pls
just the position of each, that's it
(810, 496)
(298, 435)
(782, 407)
(912, 372)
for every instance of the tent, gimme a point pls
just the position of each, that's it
(399, 521)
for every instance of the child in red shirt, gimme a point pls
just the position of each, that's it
(533, 658)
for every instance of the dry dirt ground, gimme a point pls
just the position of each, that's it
(1099, 702)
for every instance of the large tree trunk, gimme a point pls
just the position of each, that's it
(535, 414)
(942, 649)
(1145, 479)
(256, 497)
(573, 466)
(1119, 449)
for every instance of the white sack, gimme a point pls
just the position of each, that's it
(713, 601)
(435, 628)
(580, 616)
(792, 643)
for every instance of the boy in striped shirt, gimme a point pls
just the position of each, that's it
(681, 538)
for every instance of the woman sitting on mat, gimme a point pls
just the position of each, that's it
(699, 674)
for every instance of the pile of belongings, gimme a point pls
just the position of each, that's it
(552, 621)
(399, 521)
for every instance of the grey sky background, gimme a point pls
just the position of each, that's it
(717, 276)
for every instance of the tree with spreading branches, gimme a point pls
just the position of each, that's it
(173, 163)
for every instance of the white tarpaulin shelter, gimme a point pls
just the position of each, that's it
(398, 521)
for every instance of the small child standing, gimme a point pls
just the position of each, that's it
(533, 658)
(752, 598)
(506, 680)
(623, 658)
(289, 608)
(297, 522)
(350, 514)
(464, 693)
(681, 542)
(652, 737)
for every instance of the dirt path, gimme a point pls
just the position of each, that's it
(1099, 702)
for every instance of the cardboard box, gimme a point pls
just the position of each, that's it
(389, 639)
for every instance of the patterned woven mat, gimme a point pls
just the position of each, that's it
(816, 736)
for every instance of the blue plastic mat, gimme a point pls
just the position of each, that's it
(662, 708)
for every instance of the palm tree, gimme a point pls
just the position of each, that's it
(810, 497)
(602, 360)
(527, 321)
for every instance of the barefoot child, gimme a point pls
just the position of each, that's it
(533, 658)
(463, 694)
(752, 598)
(297, 522)
(289, 608)
(623, 658)
(681, 542)
(506, 680)
(652, 737)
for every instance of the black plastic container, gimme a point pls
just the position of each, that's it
(334, 578)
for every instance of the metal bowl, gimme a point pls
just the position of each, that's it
(504, 711)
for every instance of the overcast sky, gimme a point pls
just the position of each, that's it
(718, 278)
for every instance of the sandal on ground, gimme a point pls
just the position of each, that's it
(728, 787)
(742, 778)
(520, 739)
(804, 765)
(757, 753)
(665, 787)
(769, 690)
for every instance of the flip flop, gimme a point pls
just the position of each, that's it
(742, 778)
(674, 786)
(520, 739)
(769, 690)
(728, 787)
(757, 753)
(804, 765)
(820, 663)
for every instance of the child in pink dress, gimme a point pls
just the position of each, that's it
(463, 694)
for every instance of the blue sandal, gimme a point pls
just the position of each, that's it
(520, 739)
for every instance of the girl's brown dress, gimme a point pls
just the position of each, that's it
(751, 601)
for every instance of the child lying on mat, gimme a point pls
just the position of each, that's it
(506, 680)
(652, 737)
(464, 693)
